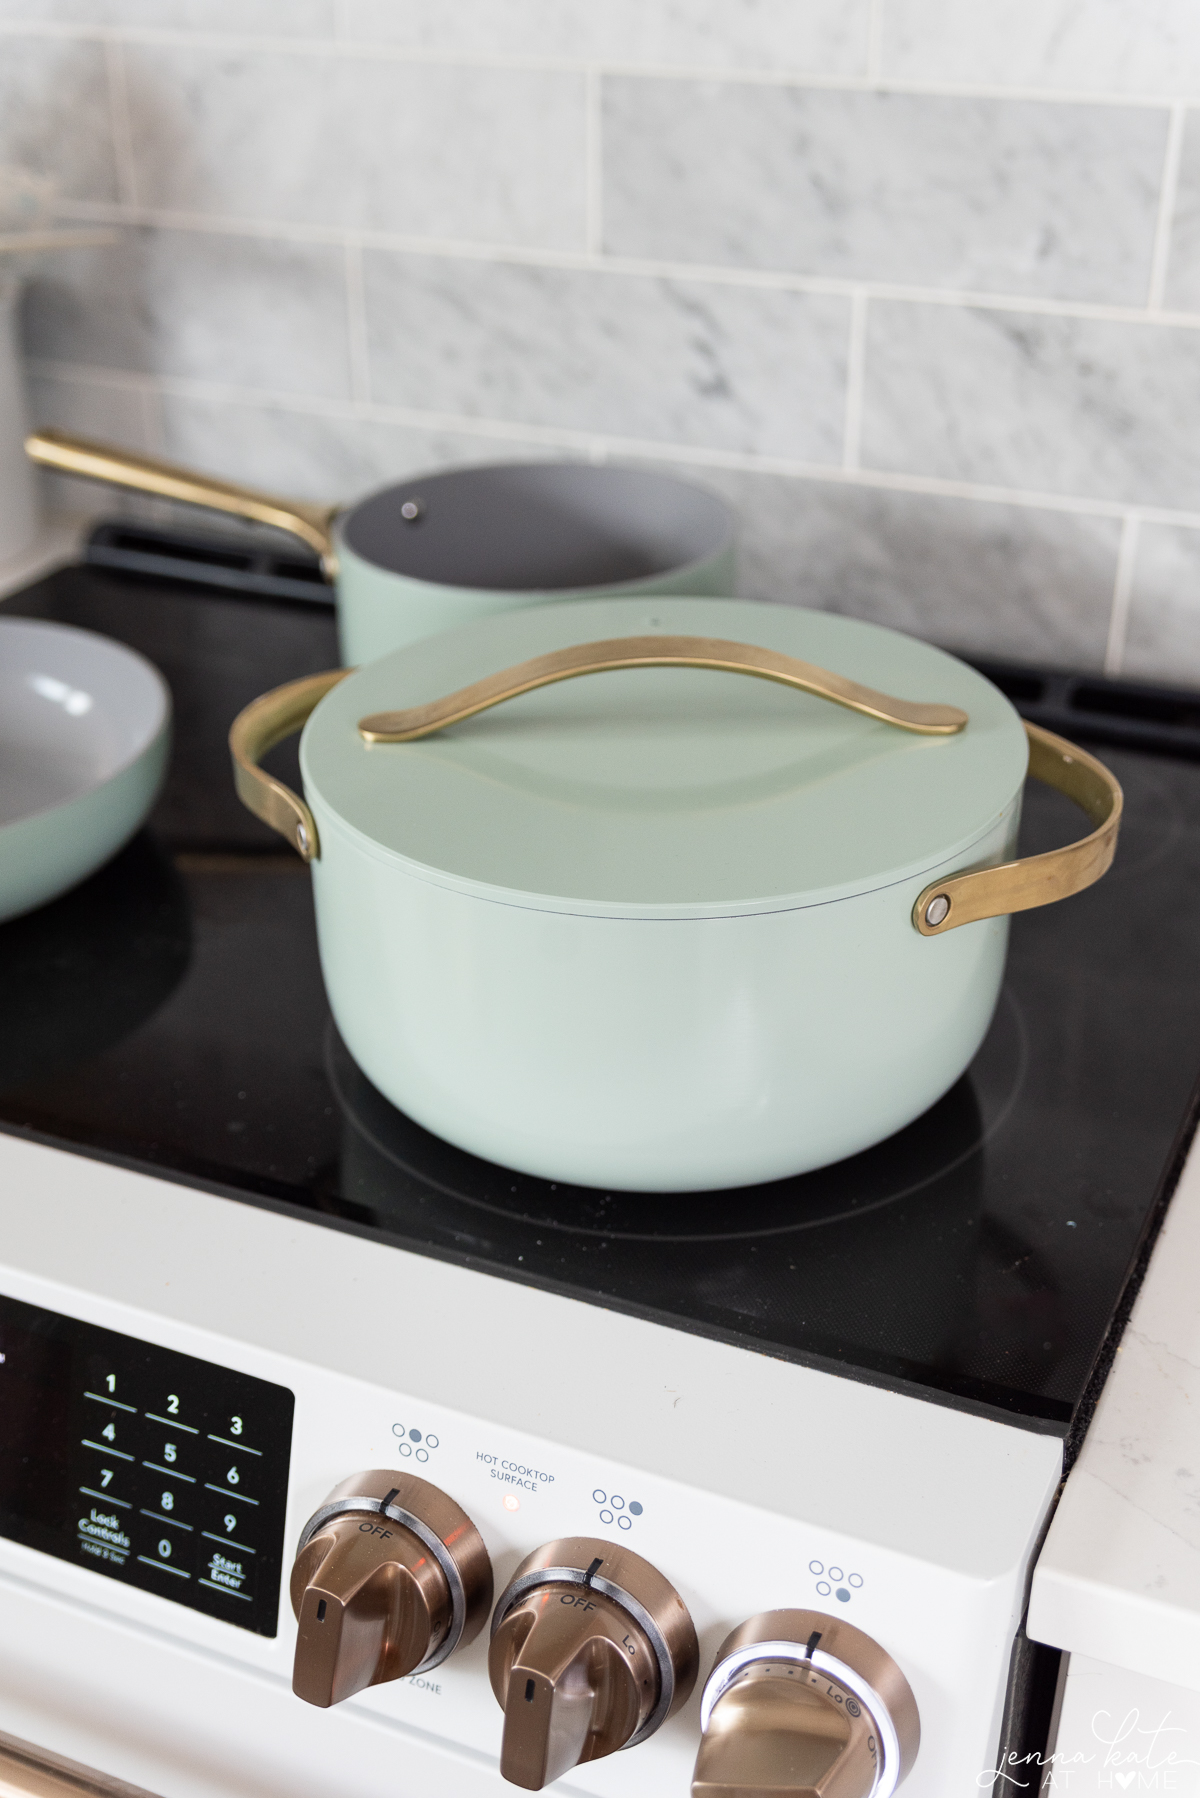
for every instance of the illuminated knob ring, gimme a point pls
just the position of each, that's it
(575, 1576)
(755, 1654)
(432, 1541)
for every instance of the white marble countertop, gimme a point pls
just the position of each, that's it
(1119, 1576)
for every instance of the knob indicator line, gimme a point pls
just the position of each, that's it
(849, 1725)
(585, 1665)
(390, 1577)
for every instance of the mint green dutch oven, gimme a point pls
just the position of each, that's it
(443, 549)
(666, 928)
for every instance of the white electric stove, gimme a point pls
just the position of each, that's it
(233, 1279)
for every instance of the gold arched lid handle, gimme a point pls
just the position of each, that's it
(659, 652)
(1035, 879)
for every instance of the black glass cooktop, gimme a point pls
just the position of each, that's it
(170, 1015)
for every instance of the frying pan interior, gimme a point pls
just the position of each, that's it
(538, 526)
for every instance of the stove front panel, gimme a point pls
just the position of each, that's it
(188, 1704)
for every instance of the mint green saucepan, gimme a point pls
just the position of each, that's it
(441, 549)
(594, 905)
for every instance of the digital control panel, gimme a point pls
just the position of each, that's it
(148, 1466)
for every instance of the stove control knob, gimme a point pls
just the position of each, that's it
(592, 1649)
(802, 1705)
(390, 1578)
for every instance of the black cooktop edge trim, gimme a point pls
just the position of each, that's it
(1053, 1420)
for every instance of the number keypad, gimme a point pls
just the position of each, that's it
(166, 1472)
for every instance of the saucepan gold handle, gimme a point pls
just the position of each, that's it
(262, 724)
(1035, 879)
(658, 652)
(108, 462)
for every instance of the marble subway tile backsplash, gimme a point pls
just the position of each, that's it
(1005, 196)
(988, 579)
(1080, 46)
(268, 313)
(54, 113)
(634, 356)
(321, 457)
(915, 282)
(442, 151)
(1163, 626)
(280, 18)
(1182, 284)
(1076, 406)
(818, 37)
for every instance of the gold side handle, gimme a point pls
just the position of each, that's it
(1035, 879)
(258, 728)
(659, 652)
(119, 467)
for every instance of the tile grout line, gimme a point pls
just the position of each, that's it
(856, 358)
(776, 280)
(604, 447)
(593, 164)
(1168, 192)
(415, 54)
(1118, 623)
(358, 341)
(120, 122)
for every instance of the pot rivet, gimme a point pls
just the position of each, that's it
(937, 911)
(302, 838)
(410, 511)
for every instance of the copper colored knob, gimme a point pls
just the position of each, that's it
(391, 1576)
(592, 1650)
(801, 1705)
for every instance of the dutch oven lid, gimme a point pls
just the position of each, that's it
(667, 792)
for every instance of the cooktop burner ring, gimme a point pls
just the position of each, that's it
(1006, 1048)
(199, 1055)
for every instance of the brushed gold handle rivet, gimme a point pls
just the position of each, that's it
(998, 891)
